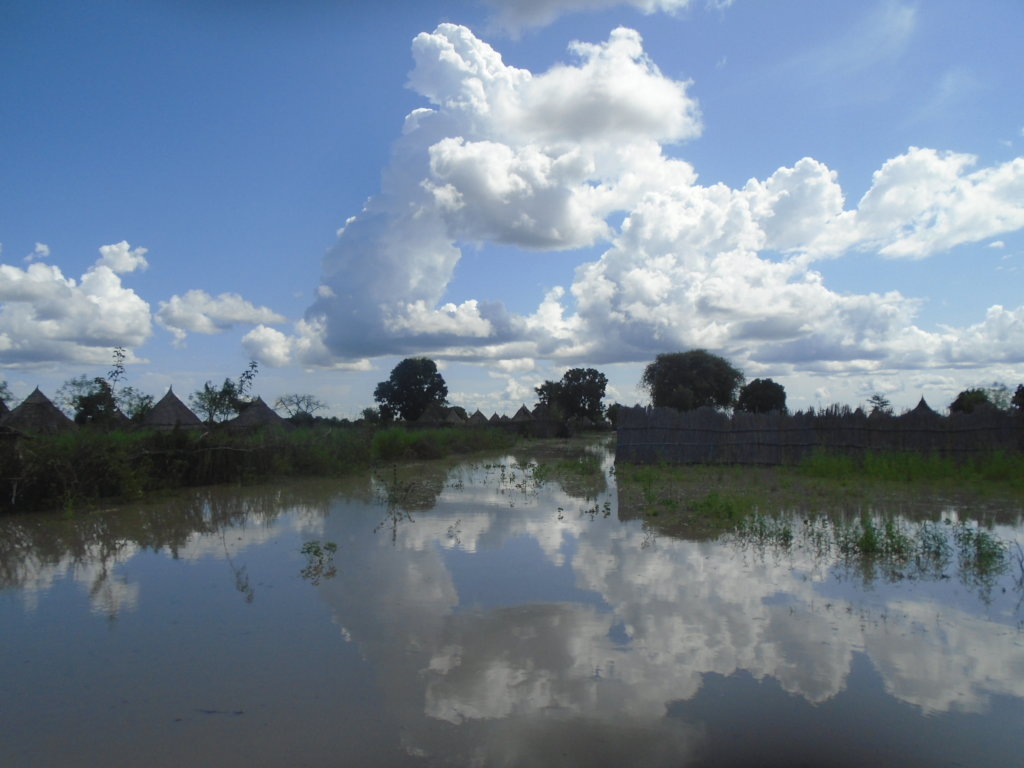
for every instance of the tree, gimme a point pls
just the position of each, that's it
(116, 373)
(880, 404)
(216, 404)
(245, 381)
(5, 392)
(762, 396)
(90, 401)
(414, 385)
(687, 380)
(577, 395)
(295, 404)
(228, 401)
(999, 395)
(1017, 402)
(969, 400)
(133, 404)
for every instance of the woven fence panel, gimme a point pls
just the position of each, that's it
(706, 436)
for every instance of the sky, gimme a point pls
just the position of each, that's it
(827, 194)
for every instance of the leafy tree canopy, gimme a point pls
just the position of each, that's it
(1017, 401)
(969, 400)
(762, 396)
(90, 400)
(100, 400)
(216, 403)
(688, 380)
(414, 385)
(577, 395)
(5, 392)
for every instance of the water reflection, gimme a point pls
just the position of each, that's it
(500, 612)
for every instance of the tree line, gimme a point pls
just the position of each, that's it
(680, 380)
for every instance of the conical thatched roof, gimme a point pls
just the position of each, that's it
(434, 414)
(477, 418)
(38, 415)
(495, 418)
(171, 413)
(923, 408)
(523, 414)
(454, 417)
(256, 414)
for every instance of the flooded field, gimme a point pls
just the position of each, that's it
(501, 611)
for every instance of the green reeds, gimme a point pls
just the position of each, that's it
(996, 470)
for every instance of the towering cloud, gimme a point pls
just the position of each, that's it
(551, 161)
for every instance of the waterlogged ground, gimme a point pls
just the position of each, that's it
(499, 612)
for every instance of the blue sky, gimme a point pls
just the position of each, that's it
(829, 194)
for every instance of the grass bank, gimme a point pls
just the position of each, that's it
(708, 499)
(80, 469)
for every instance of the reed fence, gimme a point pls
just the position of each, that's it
(706, 436)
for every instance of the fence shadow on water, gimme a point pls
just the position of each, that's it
(706, 436)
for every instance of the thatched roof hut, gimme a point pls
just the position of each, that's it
(256, 415)
(495, 418)
(477, 418)
(454, 416)
(523, 414)
(37, 415)
(171, 413)
(542, 412)
(434, 414)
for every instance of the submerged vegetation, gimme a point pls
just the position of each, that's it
(894, 517)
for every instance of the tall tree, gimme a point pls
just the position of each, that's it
(762, 396)
(5, 392)
(969, 400)
(577, 395)
(414, 385)
(688, 380)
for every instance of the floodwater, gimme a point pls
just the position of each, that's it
(488, 613)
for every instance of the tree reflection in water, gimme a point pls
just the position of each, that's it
(503, 611)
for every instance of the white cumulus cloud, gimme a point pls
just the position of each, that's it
(46, 317)
(199, 312)
(550, 161)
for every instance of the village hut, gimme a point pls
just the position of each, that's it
(923, 409)
(542, 412)
(256, 415)
(495, 418)
(523, 414)
(453, 416)
(37, 415)
(171, 413)
(434, 414)
(477, 419)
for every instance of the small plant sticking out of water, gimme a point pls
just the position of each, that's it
(887, 546)
(983, 555)
(319, 561)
